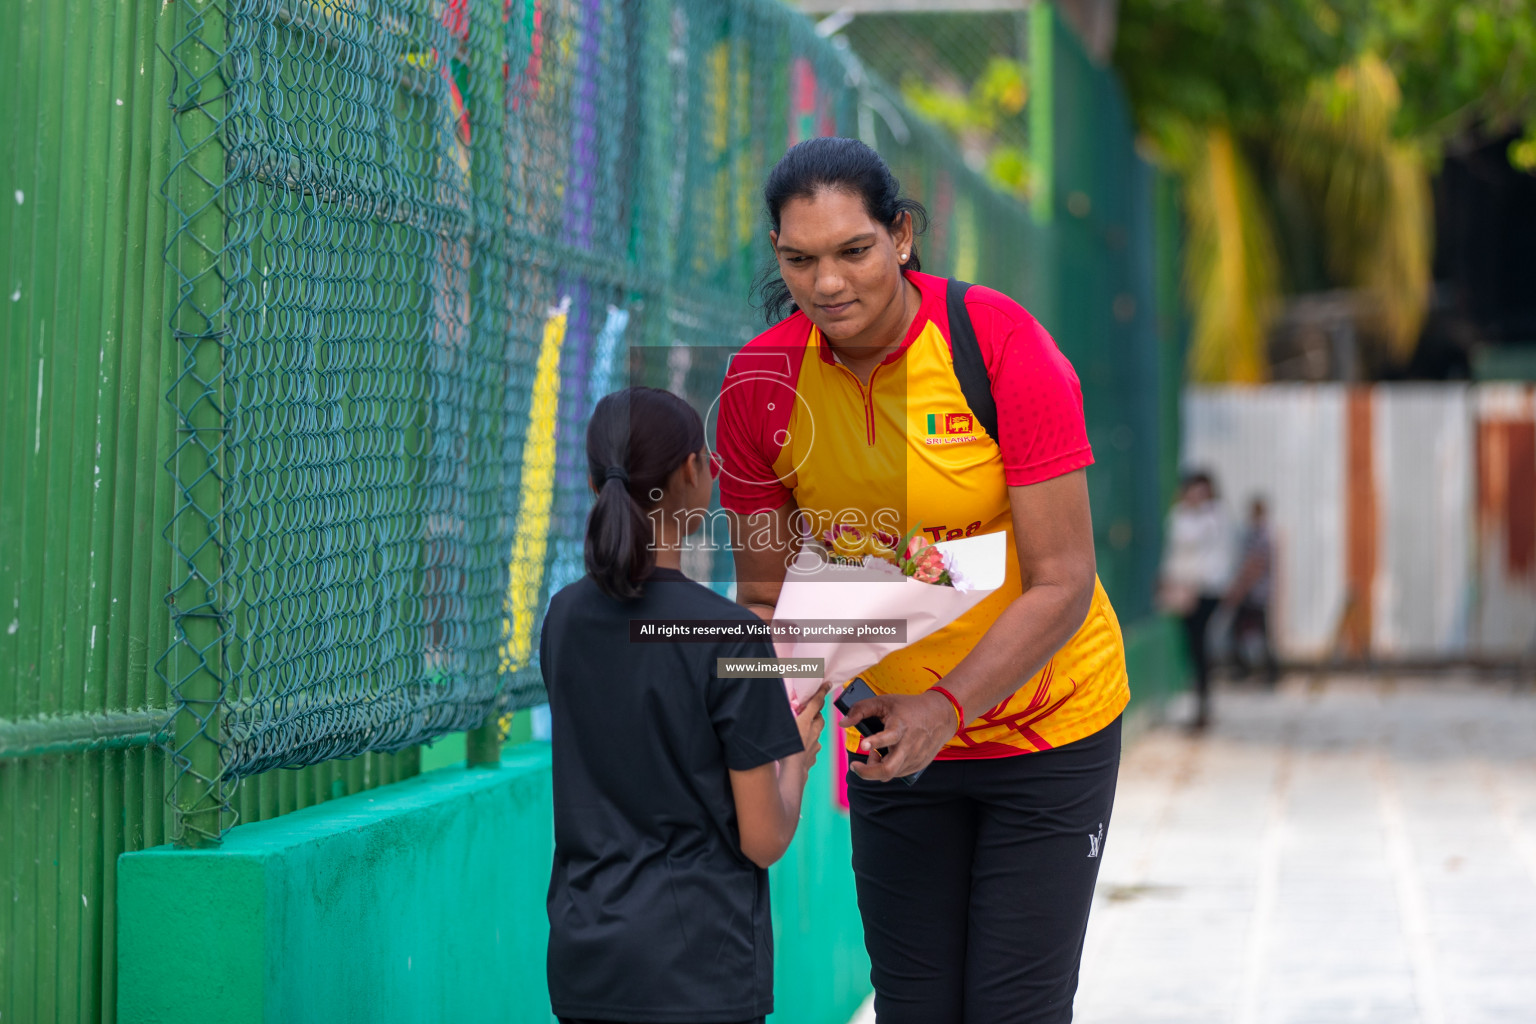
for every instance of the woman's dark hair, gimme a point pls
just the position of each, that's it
(1193, 477)
(839, 165)
(636, 438)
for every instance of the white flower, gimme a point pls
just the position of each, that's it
(881, 565)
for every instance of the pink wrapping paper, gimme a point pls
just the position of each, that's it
(816, 590)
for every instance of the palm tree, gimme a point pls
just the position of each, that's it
(1366, 191)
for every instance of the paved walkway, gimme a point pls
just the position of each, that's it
(1346, 849)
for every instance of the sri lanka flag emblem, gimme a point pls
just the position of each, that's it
(950, 428)
(944, 424)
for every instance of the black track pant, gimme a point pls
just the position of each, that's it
(1253, 619)
(975, 883)
(1195, 625)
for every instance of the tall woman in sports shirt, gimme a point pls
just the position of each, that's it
(974, 884)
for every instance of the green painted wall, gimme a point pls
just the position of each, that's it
(85, 361)
(821, 972)
(424, 901)
(450, 750)
(414, 902)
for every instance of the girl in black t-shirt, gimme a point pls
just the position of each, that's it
(674, 788)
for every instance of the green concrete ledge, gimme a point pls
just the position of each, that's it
(424, 901)
(420, 901)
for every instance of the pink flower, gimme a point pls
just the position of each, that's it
(916, 544)
(927, 573)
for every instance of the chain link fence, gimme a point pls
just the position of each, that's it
(413, 242)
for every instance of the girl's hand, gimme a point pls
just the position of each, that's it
(768, 796)
(916, 727)
(810, 721)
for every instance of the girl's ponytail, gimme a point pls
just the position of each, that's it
(616, 552)
(636, 438)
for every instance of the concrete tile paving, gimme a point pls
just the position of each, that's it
(1355, 849)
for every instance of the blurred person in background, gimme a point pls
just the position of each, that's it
(1248, 597)
(1196, 573)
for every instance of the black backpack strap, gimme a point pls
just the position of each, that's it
(970, 368)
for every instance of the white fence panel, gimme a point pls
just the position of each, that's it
(1284, 443)
(1425, 480)
(1451, 488)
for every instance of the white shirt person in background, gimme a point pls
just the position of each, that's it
(1196, 573)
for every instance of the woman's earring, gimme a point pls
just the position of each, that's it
(903, 257)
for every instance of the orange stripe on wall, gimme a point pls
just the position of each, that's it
(1520, 510)
(1360, 524)
(1506, 489)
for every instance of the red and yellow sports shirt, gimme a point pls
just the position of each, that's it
(794, 423)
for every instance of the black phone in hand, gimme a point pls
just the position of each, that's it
(853, 693)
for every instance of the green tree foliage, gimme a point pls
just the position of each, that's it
(1231, 62)
(995, 100)
(1463, 67)
(1305, 131)
(963, 71)
(1369, 189)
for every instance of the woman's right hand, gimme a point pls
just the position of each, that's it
(810, 721)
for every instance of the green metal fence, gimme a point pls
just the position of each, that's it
(1113, 303)
(305, 305)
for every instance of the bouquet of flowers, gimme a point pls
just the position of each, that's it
(870, 575)
(913, 555)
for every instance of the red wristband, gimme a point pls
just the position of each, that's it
(959, 712)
